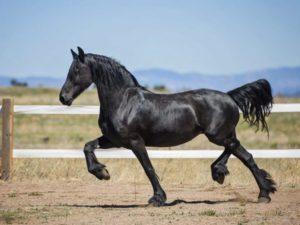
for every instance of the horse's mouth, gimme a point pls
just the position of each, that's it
(67, 102)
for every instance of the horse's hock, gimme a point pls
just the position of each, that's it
(6, 153)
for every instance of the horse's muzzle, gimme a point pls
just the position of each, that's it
(65, 101)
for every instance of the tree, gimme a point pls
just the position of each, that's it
(16, 83)
(160, 87)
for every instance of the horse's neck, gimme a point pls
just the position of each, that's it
(111, 86)
(110, 98)
(107, 97)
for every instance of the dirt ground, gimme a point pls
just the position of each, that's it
(76, 202)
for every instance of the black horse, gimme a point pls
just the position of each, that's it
(133, 117)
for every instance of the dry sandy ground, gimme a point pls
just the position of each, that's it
(74, 202)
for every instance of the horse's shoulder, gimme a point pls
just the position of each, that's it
(134, 92)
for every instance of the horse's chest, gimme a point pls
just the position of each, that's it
(108, 129)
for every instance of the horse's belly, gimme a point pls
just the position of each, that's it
(167, 139)
(172, 129)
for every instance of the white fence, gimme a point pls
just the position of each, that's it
(94, 110)
(155, 154)
(122, 153)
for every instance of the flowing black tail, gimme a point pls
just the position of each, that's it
(255, 100)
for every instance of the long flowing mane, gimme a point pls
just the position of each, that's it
(110, 72)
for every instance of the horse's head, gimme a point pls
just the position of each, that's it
(79, 78)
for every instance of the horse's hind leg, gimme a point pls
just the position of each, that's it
(218, 168)
(263, 178)
(95, 167)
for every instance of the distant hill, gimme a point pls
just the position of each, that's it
(34, 81)
(284, 80)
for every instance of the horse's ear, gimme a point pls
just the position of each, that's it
(81, 54)
(75, 56)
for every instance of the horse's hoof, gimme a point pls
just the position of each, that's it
(157, 201)
(264, 199)
(219, 172)
(105, 174)
(102, 174)
(220, 179)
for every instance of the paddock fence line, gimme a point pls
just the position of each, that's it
(94, 110)
(7, 153)
(154, 154)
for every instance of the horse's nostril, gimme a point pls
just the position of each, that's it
(62, 99)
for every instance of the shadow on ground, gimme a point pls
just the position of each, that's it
(173, 203)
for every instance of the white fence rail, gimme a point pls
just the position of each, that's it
(94, 110)
(155, 154)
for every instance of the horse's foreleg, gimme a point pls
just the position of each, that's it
(93, 165)
(138, 148)
(263, 178)
(219, 169)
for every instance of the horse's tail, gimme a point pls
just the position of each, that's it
(255, 100)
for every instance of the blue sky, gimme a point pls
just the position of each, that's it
(214, 37)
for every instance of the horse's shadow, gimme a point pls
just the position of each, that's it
(173, 203)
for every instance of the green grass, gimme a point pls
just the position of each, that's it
(35, 193)
(11, 216)
(21, 216)
(209, 212)
(12, 195)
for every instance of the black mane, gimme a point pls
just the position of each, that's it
(109, 72)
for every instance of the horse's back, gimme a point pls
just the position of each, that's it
(215, 111)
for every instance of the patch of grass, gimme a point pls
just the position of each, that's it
(278, 212)
(208, 212)
(244, 221)
(35, 193)
(9, 217)
(242, 203)
(12, 195)
(192, 171)
(262, 223)
(274, 212)
(292, 185)
(236, 212)
(19, 216)
(61, 212)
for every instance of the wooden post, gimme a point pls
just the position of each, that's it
(7, 137)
